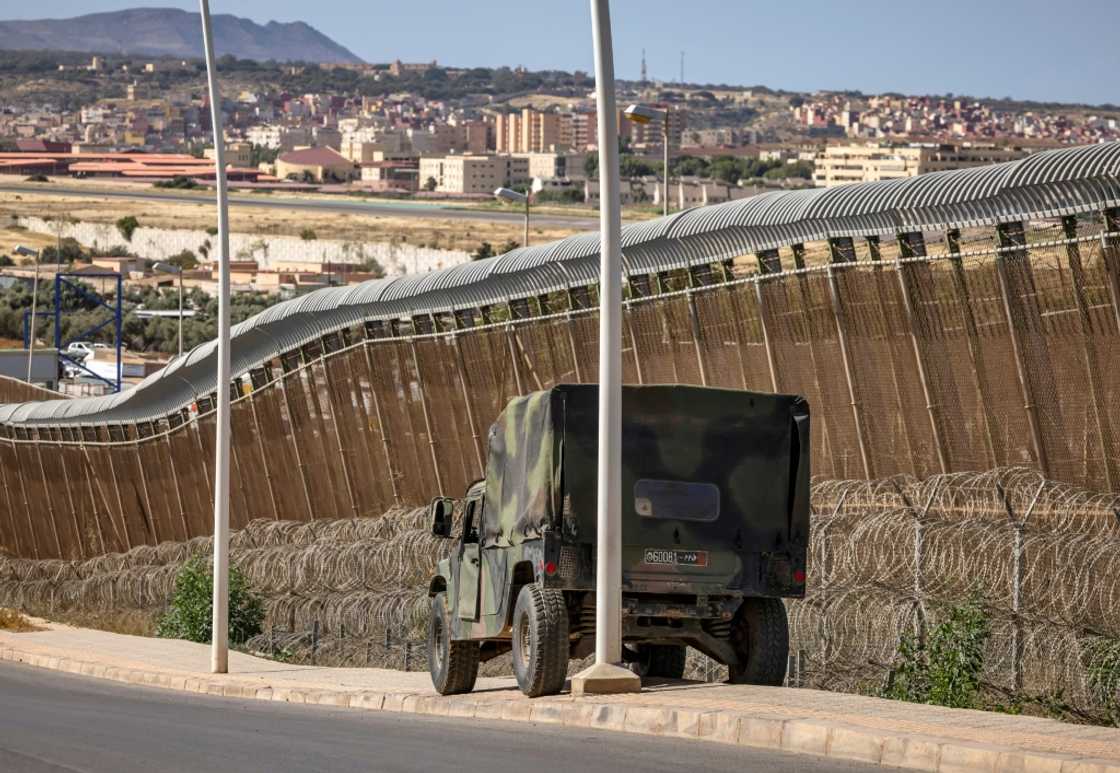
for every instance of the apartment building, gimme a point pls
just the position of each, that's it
(530, 131)
(647, 137)
(549, 166)
(473, 174)
(844, 164)
(282, 137)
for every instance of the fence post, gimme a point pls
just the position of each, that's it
(1096, 388)
(975, 353)
(460, 363)
(839, 255)
(314, 641)
(264, 456)
(694, 321)
(427, 416)
(1016, 607)
(47, 496)
(912, 245)
(285, 371)
(768, 263)
(1011, 235)
(627, 314)
(408, 656)
(1110, 253)
(381, 424)
(335, 420)
(513, 360)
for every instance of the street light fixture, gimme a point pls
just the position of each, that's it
(644, 114)
(169, 268)
(27, 252)
(513, 197)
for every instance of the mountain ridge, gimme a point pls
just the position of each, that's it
(174, 32)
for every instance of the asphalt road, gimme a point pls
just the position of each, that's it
(52, 722)
(381, 207)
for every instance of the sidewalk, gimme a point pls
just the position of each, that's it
(796, 720)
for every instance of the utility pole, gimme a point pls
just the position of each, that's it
(219, 647)
(607, 674)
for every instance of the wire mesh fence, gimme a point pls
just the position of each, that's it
(995, 353)
(887, 557)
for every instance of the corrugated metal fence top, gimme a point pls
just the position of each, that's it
(1075, 179)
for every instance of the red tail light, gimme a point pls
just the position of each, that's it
(799, 576)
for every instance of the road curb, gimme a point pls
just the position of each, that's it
(835, 740)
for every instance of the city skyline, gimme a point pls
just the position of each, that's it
(818, 50)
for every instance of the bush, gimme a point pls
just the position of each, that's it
(1102, 660)
(127, 225)
(308, 234)
(37, 178)
(190, 614)
(178, 181)
(945, 669)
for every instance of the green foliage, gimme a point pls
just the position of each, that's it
(178, 181)
(308, 234)
(127, 225)
(6, 260)
(591, 165)
(509, 246)
(635, 166)
(190, 614)
(485, 250)
(372, 266)
(71, 251)
(430, 184)
(185, 260)
(261, 154)
(944, 669)
(1102, 661)
(212, 230)
(561, 196)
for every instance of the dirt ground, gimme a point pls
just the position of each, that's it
(436, 232)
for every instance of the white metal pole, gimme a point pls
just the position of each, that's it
(34, 312)
(180, 312)
(608, 590)
(665, 148)
(526, 244)
(219, 650)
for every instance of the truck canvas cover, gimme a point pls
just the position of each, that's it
(724, 463)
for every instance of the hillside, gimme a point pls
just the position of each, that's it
(173, 32)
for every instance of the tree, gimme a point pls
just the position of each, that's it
(184, 261)
(591, 165)
(430, 184)
(485, 250)
(127, 226)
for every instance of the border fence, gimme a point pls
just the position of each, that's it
(917, 356)
(887, 557)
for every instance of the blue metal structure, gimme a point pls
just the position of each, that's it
(70, 280)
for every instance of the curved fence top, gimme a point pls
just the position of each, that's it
(1050, 183)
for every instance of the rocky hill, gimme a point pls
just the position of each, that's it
(173, 32)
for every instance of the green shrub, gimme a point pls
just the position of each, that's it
(127, 225)
(308, 234)
(944, 669)
(1102, 660)
(191, 611)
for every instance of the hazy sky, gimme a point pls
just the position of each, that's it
(1031, 49)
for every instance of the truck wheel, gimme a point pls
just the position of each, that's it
(664, 661)
(540, 641)
(452, 664)
(760, 637)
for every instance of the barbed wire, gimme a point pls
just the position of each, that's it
(887, 557)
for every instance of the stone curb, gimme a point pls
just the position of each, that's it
(836, 740)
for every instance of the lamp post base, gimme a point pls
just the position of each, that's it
(605, 679)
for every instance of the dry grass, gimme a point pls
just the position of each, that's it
(12, 620)
(133, 622)
(198, 213)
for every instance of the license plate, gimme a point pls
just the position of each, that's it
(676, 557)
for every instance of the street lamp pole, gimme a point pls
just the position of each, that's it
(665, 148)
(525, 243)
(219, 648)
(516, 197)
(170, 268)
(34, 255)
(607, 675)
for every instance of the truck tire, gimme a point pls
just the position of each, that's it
(760, 637)
(663, 661)
(452, 664)
(540, 641)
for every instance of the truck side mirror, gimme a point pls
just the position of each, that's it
(442, 509)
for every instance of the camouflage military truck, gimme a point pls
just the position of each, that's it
(715, 530)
